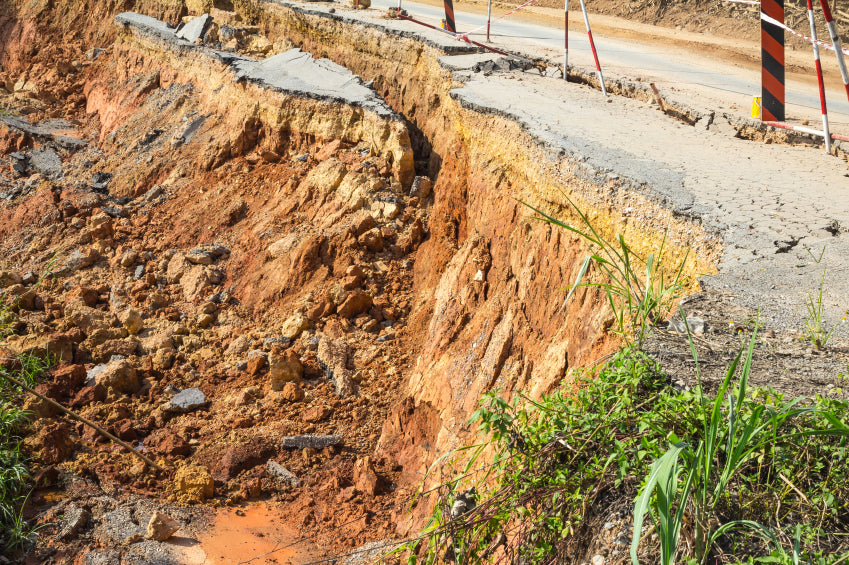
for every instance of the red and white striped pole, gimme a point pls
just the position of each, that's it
(819, 78)
(835, 40)
(565, 38)
(592, 46)
(488, 18)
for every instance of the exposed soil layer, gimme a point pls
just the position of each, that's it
(167, 226)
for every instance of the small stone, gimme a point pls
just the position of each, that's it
(82, 258)
(131, 320)
(597, 559)
(292, 392)
(161, 527)
(187, 400)
(129, 257)
(284, 368)
(421, 187)
(676, 324)
(315, 414)
(199, 257)
(293, 327)
(280, 472)
(355, 304)
(372, 240)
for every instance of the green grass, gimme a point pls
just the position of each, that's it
(816, 329)
(640, 291)
(15, 534)
(706, 471)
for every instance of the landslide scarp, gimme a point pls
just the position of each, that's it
(212, 229)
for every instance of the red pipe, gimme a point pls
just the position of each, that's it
(806, 130)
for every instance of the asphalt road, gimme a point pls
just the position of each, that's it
(720, 82)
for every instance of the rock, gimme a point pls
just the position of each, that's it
(195, 29)
(199, 257)
(129, 257)
(161, 527)
(239, 345)
(327, 176)
(373, 240)
(88, 319)
(55, 443)
(59, 346)
(365, 479)
(99, 227)
(284, 368)
(187, 400)
(311, 441)
(177, 266)
(168, 443)
(421, 187)
(9, 278)
(88, 395)
(291, 392)
(333, 356)
(293, 327)
(119, 376)
(256, 364)
(82, 258)
(238, 458)
(283, 245)
(281, 473)
(131, 320)
(315, 414)
(125, 430)
(195, 282)
(597, 559)
(194, 482)
(355, 304)
(73, 519)
(360, 3)
(68, 375)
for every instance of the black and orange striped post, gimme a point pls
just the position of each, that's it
(772, 62)
(449, 16)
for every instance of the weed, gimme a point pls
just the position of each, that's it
(638, 290)
(716, 470)
(815, 328)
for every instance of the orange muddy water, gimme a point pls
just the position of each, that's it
(254, 535)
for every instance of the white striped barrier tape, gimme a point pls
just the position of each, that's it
(775, 22)
(510, 13)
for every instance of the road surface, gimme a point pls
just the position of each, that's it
(718, 84)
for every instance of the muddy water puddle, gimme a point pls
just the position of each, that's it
(255, 535)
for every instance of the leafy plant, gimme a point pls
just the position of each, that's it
(729, 440)
(639, 290)
(816, 329)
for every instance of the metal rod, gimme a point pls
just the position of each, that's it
(89, 423)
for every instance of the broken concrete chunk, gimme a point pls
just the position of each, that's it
(187, 400)
(118, 528)
(74, 519)
(195, 29)
(280, 472)
(313, 441)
